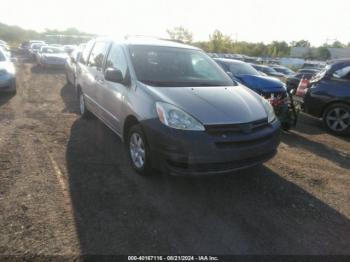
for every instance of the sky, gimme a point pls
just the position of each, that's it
(244, 20)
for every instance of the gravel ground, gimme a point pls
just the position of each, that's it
(66, 188)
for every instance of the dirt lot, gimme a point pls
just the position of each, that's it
(66, 188)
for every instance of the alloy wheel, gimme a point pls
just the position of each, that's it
(338, 119)
(137, 150)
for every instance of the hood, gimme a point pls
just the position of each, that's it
(262, 83)
(213, 105)
(63, 55)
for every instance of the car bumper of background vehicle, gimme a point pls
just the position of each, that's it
(7, 83)
(200, 153)
(53, 64)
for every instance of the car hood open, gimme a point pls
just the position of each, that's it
(215, 104)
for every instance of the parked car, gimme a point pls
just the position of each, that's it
(25, 46)
(269, 71)
(51, 56)
(268, 87)
(34, 49)
(283, 70)
(313, 71)
(71, 66)
(293, 81)
(174, 107)
(313, 65)
(7, 73)
(5, 50)
(69, 48)
(328, 97)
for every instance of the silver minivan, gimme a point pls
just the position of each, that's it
(174, 107)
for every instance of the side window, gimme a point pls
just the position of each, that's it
(85, 54)
(116, 59)
(98, 54)
(343, 73)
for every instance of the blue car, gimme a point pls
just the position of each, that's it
(269, 87)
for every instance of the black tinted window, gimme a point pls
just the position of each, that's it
(116, 59)
(342, 73)
(98, 54)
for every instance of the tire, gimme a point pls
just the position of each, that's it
(84, 112)
(13, 87)
(67, 79)
(336, 119)
(138, 151)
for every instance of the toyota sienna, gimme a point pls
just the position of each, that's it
(174, 107)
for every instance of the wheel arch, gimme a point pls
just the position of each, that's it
(332, 103)
(130, 120)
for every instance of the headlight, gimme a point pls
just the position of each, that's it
(174, 117)
(269, 110)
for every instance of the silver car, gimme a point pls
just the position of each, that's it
(174, 107)
(50, 56)
(7, 73)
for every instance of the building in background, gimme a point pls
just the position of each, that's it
(336, 53)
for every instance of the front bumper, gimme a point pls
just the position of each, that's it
(200, 153)
(7, 83)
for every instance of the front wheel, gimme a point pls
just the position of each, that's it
(138, 151)
(336, 118)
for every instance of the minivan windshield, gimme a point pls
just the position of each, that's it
(170, 66)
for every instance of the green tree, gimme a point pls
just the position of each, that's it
(322, 53)
(219, 42)
(337, 44)
(180, 34)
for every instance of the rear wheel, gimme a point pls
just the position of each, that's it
(138, 150)
(336, 118)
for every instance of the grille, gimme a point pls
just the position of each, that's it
(243, 143)
(236, 128)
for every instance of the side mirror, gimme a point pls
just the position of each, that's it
(114, 75)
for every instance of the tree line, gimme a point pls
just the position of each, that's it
(217, 42)
(15, 35)
(220, 43)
